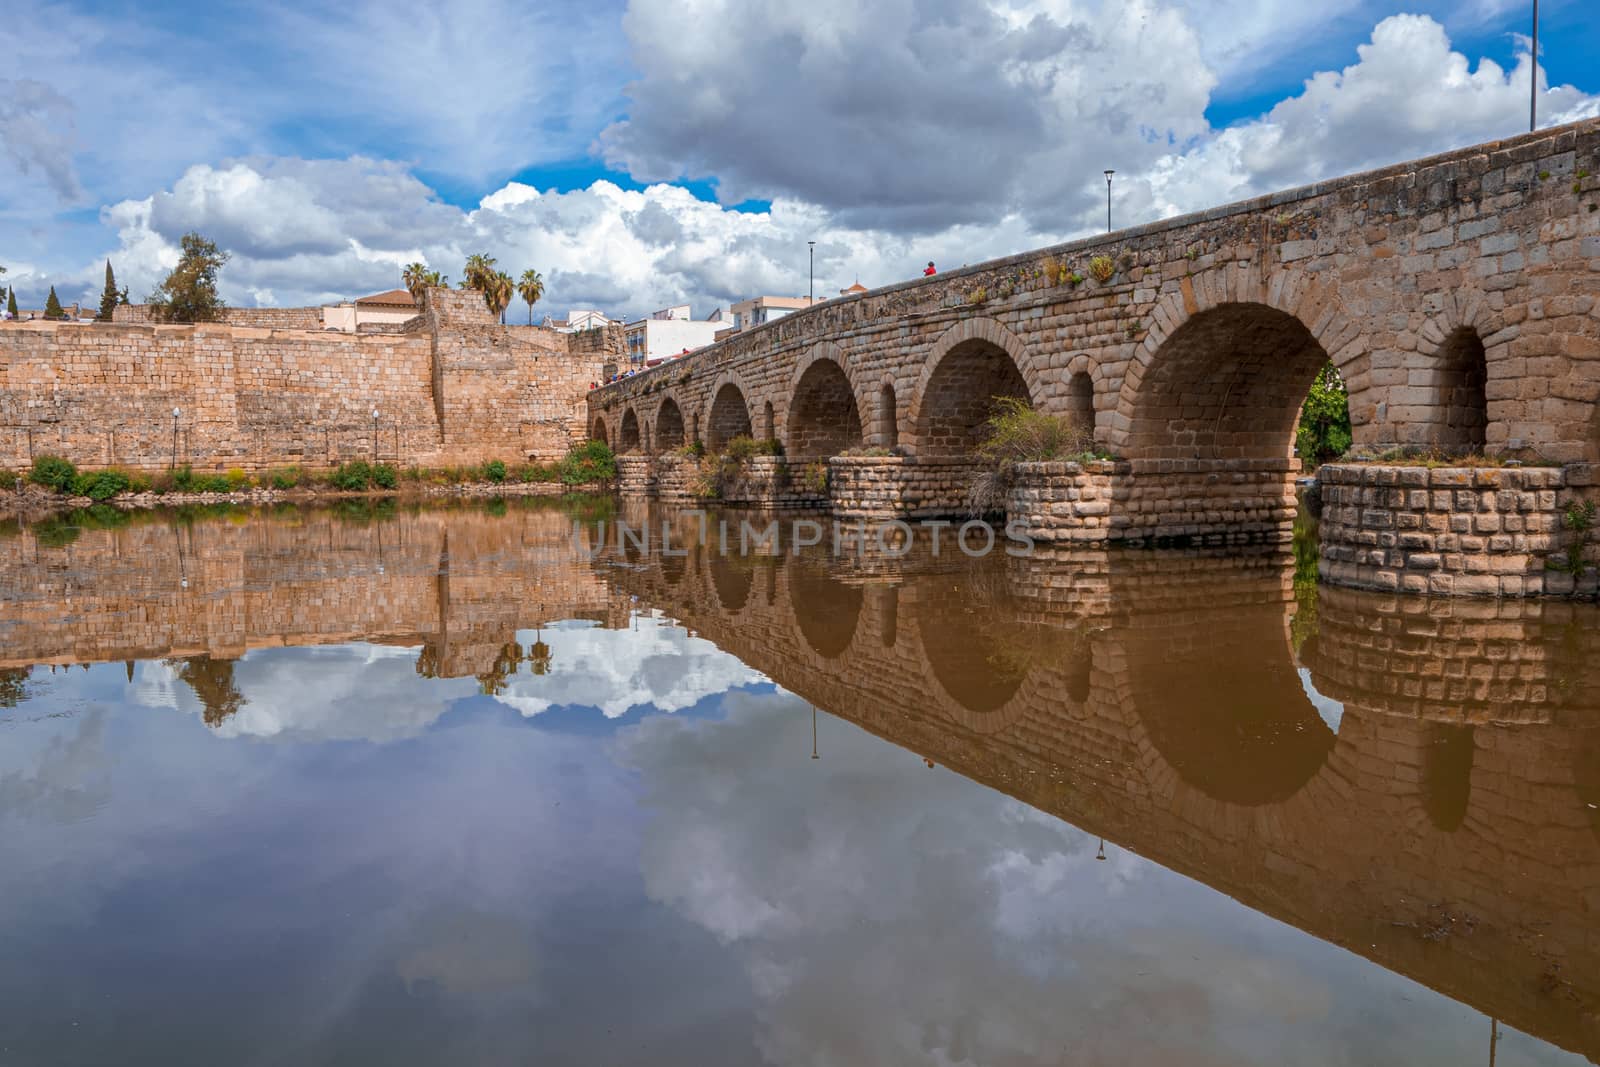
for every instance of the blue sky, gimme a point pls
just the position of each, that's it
(647, 152)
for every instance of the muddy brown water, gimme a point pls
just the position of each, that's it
(423, 785)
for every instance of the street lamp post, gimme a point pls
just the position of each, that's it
(1533, 74)
(1109, 173)
(175, 413)
(811, 294)
(374, 437)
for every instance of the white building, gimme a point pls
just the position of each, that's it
(576, 320)
(667, 334)
(760, 309)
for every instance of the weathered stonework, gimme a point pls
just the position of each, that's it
(453, 387)
(1453, 530)
(1457, 296)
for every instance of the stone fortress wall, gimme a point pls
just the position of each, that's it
(451, 387)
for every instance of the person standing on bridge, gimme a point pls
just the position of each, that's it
(931, 271)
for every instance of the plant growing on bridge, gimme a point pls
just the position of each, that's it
(189, 293)
(1578, 518)
(1016, 433)
(1324, 430)
(1102, 268)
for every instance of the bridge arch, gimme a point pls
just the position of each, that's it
(1226, 383)
(974, 361)
(628, 437)
(824, 414)
(598, 430)
(825, 609)
(729, 415)
(1295, 295)
(1080, 393)
(669, 425)
(888, 428)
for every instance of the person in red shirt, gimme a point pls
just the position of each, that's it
(931, 271)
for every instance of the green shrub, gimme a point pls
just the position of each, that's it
(1102, 268)
(592, 461)
(495, 471)
(385, 477)
(743, 447)
(694, 449)
(183, 479)
(212, 483)
(238, 479)
(351, 477)
(100, 485)
(287, 478)
(1018, 434)
(538, 472)
(1324, 430)
(53, 472)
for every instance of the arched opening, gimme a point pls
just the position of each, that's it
(889, 605)
(1461, 375)
(629, 434)
(733, 579)
(1080, 402)
(1447, 774)
(669, 426)
(730, 417)
(825, 609)
(599, 431)
(980, 654)
(769, 423)
(960, 396)
(1221, 701)
(823, 420)
(1227, 384)
(888, 418)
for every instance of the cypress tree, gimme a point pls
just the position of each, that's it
(52, 306)
(108, 298)
(11, 302)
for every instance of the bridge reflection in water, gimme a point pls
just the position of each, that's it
(1416, 781)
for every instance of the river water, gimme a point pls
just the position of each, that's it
(453, 785)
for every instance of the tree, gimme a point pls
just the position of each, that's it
(110, 297)
(52, 306)
(498, 289)
(478, 271)
(11, 301)
(1324, 430)
(189, 293)
(415, 276)
(214, 686)
(531, 289)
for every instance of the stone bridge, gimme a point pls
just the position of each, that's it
(1456, 295)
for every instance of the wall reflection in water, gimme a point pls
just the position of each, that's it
(1416, 781)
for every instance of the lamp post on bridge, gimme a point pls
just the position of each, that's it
(811, 292)
(1109, 174)
(175, 413)
(374, 437)
(1533, 74)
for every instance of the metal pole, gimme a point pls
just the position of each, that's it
(1109, 173)
(374, 437)
(1533, 74)
(814, 732)
(811, 295)
(175, 413)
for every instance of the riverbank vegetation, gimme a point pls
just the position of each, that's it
(590, 463)
(1015, 433)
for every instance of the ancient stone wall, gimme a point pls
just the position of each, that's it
(1453, 530)
(451, 387)
(308, 318)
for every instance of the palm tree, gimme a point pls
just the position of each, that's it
(497, 291)
(531, 288)
(415, 276)
(478, 271)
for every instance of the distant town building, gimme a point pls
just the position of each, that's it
(854, 289)
(386, 309)
(577, 320)
(759, 310)
(666, 334)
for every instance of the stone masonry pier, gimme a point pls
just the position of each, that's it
(1456, 295)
